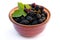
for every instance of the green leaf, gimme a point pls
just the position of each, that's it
(16, 13)
(20, 6)
(23, 13)
(20, 11)
(27, 6)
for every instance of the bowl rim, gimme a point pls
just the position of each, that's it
(15, 8)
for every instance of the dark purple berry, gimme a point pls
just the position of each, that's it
(17, 19)
(29, 18)
(31, 13)
(43, 18)
(44, 14)
(37, 8)
(22, 17)
(41, 8)
(33, 5)
(34, 22)
(26, 10)
(33, 9)
(40, 20)
(24, 22)
(38, 15)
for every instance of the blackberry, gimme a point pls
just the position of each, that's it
(33, 9)
(31, 13)
(38, 15)
(17, 19)
(40, 20)
(34, 22)
(33, 5)
(29, 18)
(37, 8)
(22, 17)
(41, 8)
(43, 18)
(26, 10)
(44, 14)
(24, 22)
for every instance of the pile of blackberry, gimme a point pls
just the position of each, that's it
(35, 15)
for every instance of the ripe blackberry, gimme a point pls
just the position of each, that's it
(38, 15)
(33, 9)
(41, 9)
(40, 20)
(17, 19)
(31, 13)
(44, 14)
(34, 22)
(22, 17)
(29, 18)
(37, 8)
(43, 18)
(26, 10)
(24, 22)
(33, 5)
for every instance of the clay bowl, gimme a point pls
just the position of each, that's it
(29, 30)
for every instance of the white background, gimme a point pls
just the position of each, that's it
(51, 32)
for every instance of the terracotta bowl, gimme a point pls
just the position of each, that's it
(29, 30)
